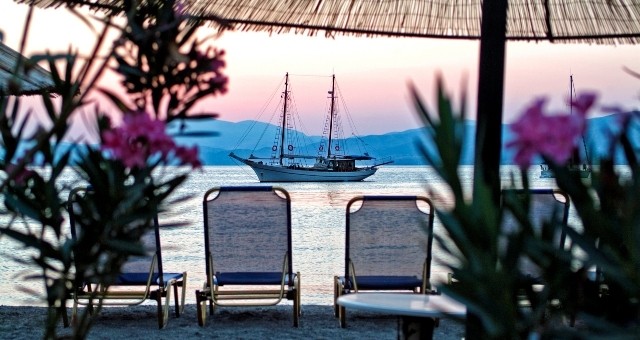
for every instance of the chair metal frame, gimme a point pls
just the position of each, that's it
(155, 286)
(555, 193)
(256, 290)
(349, 282)
(562, 239)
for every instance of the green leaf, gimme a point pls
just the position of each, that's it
(116, 100)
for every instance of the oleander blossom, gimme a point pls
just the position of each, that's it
(20, 175)
(555, 136)
(140, 137)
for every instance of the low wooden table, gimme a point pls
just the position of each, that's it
(417, 311)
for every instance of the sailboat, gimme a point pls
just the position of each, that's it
(331, 163)
(575, 167)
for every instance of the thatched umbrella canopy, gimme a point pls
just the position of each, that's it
(605, 21)
(493, 22)
(33, 82)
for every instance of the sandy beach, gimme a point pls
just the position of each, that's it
(139, 322)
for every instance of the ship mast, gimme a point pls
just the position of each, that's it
(331, 112)
(571, 92)
(584, 142)
(284, 116)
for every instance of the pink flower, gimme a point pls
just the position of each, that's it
(189, 156)
(140, 138)
(19, 175)
(583, 102)
(553, 136)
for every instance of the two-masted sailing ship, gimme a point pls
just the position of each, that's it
(330, 163)
(581, 169)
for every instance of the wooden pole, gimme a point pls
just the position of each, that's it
(488, 142)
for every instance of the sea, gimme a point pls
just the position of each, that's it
(318, 227)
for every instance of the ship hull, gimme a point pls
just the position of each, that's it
(273, 173)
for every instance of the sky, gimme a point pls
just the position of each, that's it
(373, 73)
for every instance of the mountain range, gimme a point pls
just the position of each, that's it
(402, 146)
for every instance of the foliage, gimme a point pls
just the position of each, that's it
(166, 71)
(162, 64)
(485, 268)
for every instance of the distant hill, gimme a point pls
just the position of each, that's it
(402, 146)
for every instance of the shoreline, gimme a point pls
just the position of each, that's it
(140, 322)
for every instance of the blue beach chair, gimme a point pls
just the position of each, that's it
(388, 247)
(546, 206)
(142, 277)
(247, 233)
(546, 213)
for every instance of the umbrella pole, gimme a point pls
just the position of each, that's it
(488, 143)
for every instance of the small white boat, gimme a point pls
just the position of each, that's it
(583, 172)
(330, 164)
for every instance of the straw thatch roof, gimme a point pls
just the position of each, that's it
(604, 21)
(599, 21)
(34, 82)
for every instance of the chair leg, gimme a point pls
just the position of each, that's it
(336, 287)
(179, 299)
(74, 313)
(91, 309)
(299, 290)
(184, 291)
(159, 311)
(296, 310)
(65, 317)
(201, 308)
(175, 298)
(167, 304)
(163, 308)
(296, 301)
(212, 306)
(340, 311)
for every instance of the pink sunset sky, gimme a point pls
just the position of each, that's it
(372, 73)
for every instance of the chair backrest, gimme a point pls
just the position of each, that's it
(135, 264)
(247, 229)
(546, 206)
(141, 264)
(389, 235)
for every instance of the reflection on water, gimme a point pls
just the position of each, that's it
(318, 223)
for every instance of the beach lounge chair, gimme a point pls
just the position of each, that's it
(388, 247)
(142, 277)
(247, 232)
(545, 206)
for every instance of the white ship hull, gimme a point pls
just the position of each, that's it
(274, 173)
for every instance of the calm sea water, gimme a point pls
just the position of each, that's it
(318, 212)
